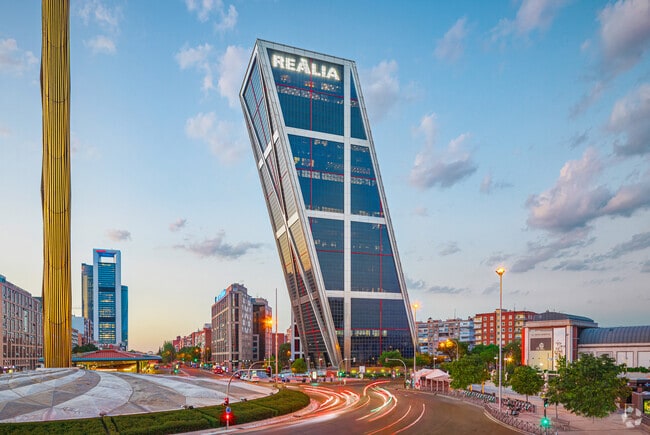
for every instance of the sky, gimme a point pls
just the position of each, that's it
(508, 133)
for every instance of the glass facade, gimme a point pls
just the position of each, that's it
(309, 133)
(109, 302)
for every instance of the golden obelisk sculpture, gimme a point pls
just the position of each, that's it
(55, 184)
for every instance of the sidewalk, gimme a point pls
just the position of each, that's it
(615, 423)
(59, 394)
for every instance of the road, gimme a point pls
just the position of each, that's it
(382, 408)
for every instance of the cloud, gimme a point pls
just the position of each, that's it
(228, 20)
(631, 118)
(638, 242)
(624, 33)
(216, 247)
(13, 60)
(232, 66)
(587, 100)
(444, 169)
(198, 58)
(495, 260)
(225, 20)
(488, 185)
(423, 286)
(532, 15)
(558, 247)
(572, 202)
(645, 267)
(223, 137)
(421, 211)
(177, 225)
(382, 91)
(101, 45)
(118, 235)
(96, 15)
(579, 139)
(450, 48)
(449, 248)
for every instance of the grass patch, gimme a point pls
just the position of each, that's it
(168, 422)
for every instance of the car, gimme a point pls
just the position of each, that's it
(217, 371)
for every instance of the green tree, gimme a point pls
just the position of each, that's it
(526, 380)
(591, 386)
(391, 355)
(512, 353)
(487, 353)
(89, 347)
(167, 352)
(284, 354)
(299, 366)
(466, 371)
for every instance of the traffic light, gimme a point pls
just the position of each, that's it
(545, 422)
(226, 402)
(268, 370)
(545, 402)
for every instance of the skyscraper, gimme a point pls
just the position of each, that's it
(110, 299)
(316, 160)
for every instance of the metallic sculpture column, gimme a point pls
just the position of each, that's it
(55, 184)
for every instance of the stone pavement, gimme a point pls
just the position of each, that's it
(615, 423)
(58, 394)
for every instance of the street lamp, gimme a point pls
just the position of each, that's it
(500, 271)
(415, 347)
(451, 342)
(403, 363)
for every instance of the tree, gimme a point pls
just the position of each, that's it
(591, 386)
(284, 354)
(512, 353)
(391, 355)
(487, 353)
(89, 347)
(468, 370)
(299, 366)
(168, 352)
(526, 380)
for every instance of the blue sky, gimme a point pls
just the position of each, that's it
(510, 133)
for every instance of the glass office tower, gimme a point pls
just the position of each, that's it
(316, 160)
(110, 299)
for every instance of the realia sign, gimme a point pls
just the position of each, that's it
(305, 66)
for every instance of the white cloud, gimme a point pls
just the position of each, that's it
(13, 60)
(95, 14)
(488, 185)
(446, 168)
(223, 137)
(532, 15)
(204, 9)
(559, 247)
(576, 200)
(101, 45)
(383, 90)
(118, 235)
(624, 33)
(449, 248)
(631, 117)
(451, 46)
(217, 247)
(228, 20)
(199, 58)
(177, 225)
(231, 69)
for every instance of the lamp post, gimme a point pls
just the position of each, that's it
(339, 368)
(452, 342)
(403, 363)
(500, 271)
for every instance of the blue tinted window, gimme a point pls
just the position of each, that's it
(356, 120)
(319, 164)
(328, 239)
(377, 326)
(310, 92)
(256, 106)
(363, 184)
(373, 265)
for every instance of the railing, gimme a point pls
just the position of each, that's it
(511, 420)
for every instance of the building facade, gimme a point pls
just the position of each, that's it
(435, 331)
(87, 302)
(316, 160)
(262, 330)
(232, 327)
(21, 328)
(487, 329)
(109, 306)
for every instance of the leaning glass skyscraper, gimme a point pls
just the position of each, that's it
(316, 160)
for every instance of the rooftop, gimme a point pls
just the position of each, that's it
(620, 334)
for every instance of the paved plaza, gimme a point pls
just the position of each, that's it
(59, 394)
